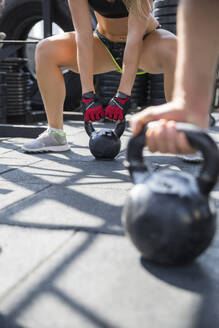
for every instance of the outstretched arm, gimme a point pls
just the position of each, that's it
(198, 48)
(84, 38)
(137, 25)
(81, 17)
(138, 22)
(198, 26)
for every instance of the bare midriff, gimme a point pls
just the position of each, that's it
(115, 29)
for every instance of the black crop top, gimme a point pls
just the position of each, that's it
(115, 9)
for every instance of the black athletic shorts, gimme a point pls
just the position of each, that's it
(116, 50)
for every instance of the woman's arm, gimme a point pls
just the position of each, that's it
(84, 37)
(137, 26)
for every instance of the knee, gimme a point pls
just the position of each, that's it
(169, 58)
(43, 52)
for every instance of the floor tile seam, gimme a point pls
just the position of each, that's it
(77, 160)
(14, 166)
(36, 267)
(18, 167)
(19, 157)
(61, 228)
(8, 151)
(24, 199)
(106, 232)
(93, 186)
(24, 182)
(67, 184)
(8, 170)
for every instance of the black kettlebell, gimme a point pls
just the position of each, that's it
(168, 215)
(105, 143)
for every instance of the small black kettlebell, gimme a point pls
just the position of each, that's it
(167, 214)
(105, 143)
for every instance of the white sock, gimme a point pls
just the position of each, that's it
(58, 131)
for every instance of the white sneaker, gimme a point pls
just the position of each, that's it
(49, 140)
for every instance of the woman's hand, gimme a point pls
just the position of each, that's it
(92, 108)
(117, 107)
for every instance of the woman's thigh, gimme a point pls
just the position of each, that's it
(159, 48)
(62, 50)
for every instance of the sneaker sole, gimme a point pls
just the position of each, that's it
(47, 149)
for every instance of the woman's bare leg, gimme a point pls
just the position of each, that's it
(52, 54)
(159, 56)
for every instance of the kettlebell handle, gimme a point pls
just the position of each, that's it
(118, 130)
(196, 137)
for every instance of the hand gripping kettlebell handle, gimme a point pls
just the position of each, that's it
(200, 140)
(118, 130)
(196, 137)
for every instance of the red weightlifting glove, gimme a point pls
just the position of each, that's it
(118, 107)
(92, 108)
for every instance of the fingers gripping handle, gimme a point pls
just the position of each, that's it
(200, 140)
(197, 138)
(119, 128)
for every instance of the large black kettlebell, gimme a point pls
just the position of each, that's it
(167, 214)
(105, 143)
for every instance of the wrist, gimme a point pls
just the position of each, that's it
(194, 113)
(89, 94)
(121, 95)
